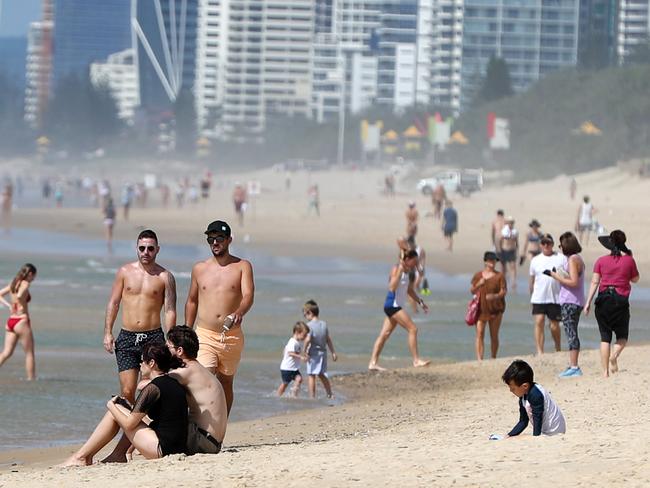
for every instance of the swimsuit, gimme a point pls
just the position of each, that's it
(200, 441)
(12, 322)
(395, 300)
(129, 345)
(220, 351)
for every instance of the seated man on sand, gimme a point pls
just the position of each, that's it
(208, 415)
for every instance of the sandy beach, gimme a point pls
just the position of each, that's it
(418, 427)
(425, 427)
(358, 221)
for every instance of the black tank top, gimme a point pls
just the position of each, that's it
(164, 401)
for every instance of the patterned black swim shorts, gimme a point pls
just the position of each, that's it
(129, 345)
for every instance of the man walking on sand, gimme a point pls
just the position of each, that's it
(221, 293)
(144, 288)
(497, 227)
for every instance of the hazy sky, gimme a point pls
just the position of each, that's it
(15, 16)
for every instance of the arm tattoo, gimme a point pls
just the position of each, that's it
(170, 294)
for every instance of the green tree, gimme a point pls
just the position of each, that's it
(496, 83)
(81, 116)
(185, 118)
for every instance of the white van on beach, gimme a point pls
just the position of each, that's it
(463, 181)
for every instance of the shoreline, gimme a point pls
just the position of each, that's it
(428, 418)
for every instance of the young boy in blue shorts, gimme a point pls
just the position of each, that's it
(535, 403)
(290, 366)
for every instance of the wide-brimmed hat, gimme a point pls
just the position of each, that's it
(509, 218)
(608, 241)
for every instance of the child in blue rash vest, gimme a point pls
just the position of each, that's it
(535, 403)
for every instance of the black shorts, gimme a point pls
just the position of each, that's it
(552, 310)
(129, 345)
(288, 376)
(613, 316)
(508, 256)
(390, 311)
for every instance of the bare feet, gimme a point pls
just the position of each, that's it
(421, 363)
(375, 367)
(76, 461)
(613, 365)
(114, 458)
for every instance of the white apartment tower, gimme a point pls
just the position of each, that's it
(120, 75)
(38, 66)
(267, 64)
(212, 36)
(446, 54)
(633, 25)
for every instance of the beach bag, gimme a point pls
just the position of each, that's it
(473, 310)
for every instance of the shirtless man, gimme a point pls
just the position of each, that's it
(221, 293)
(438, 197)
(497, 227)
(239, 201)
(207, 403)
(144, 288)
(411, 221)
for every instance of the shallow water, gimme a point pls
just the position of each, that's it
(76, 376)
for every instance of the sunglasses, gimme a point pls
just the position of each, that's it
(212, 240)
(146, 248)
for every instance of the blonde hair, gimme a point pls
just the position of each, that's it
(300, 327)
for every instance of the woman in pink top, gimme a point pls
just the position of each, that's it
(612, 277)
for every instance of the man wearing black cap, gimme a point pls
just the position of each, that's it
(221, 293)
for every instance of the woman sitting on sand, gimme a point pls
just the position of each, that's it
(162, 400)
(612, 277)
(491, 288)
(18, 324)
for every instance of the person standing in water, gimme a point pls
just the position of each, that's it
(18, 324)
(399, 287)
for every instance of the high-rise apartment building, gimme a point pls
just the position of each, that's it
(343, 46)
(534, 38)
(268, 64)
(446, 53)
(165, 36)
(38, 66)
(633, 25)
(396, 44)
(120, 76)
(86, 31)
(597, 34)
(212, 37)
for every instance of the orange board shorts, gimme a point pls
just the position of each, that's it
(219, 352)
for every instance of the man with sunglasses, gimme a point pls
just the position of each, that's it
(143, 288)
(221, 293)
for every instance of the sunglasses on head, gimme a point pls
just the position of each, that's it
(146, 248)
(212, 240)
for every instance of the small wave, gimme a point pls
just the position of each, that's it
(355, 301)
(42, 282)
(287, 299)
(93, 263)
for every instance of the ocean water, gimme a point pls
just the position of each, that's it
(77, 377)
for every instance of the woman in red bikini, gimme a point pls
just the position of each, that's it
(18, 326)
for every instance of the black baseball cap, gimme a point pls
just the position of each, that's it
(218, 227)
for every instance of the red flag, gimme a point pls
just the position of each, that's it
(491, 117)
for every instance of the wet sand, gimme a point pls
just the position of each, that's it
(426, 427)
